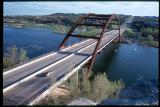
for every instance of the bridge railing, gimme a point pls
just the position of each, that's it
(101, 21)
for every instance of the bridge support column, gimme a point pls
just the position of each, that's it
(77, 78)
(62, 43)
(118, 40)
(70, 32)
(119, 32)
(100, 21)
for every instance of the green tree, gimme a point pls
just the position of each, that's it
(13, 53)
(146, 31)
(149, 31)
(7, 62)
(156, 34)
(14, 56)
(23, 55)
(150, 37)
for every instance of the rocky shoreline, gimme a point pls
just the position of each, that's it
(142, 92)
(127, 40)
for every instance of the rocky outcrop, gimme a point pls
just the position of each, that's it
(143, 92)
(82, 101)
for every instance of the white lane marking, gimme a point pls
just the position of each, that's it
(19, 67)
(109, 42)
(6, 72)
(42, 70)
(36, 92)
(43, 94)
(28, 87)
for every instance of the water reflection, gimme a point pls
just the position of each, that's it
(128, 64)
(105, 58)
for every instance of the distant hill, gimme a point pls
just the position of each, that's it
(66, 19)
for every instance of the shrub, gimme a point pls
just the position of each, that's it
(130, 33)
(97, 89)
(14, 56)
(150, 37)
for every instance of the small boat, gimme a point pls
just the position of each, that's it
(134, 49)
(115, 50)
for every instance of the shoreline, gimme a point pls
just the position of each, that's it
(131, 40)
(35, 28)
(125, 39)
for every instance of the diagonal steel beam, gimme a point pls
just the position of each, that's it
(99, 41)
(72, 29)
(104, 26)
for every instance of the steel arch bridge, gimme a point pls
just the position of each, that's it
(98, 20)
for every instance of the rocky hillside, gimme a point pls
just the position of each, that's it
(143, 92)
(66, 19)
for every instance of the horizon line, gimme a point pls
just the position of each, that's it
(72, 13)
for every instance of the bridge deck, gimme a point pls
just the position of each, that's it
(23, 85)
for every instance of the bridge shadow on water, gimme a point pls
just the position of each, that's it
(65, 52)
(105, 58)
(82, 54)
(76, 53)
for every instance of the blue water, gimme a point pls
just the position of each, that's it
(126, 64)
(35, 41)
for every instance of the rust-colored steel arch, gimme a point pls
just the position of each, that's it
(107, 19)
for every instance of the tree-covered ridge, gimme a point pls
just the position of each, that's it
(14, 56)
(66, 19)
(58, 22)
(147, 26)
(59, 18)
(145, 29)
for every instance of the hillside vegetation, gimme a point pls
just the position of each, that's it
(98, 89)
(58, 22)
(14, 56)
(145, 30)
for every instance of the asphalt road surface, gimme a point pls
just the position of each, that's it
(51, 68)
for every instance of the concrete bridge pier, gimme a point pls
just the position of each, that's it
(117, 40)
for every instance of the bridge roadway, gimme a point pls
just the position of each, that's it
(23, 84)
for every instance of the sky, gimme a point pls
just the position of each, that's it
(46, 8)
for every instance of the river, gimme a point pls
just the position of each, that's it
(36, 41)
(120, 61)
(128, 62)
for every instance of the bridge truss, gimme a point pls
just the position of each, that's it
(101, 21)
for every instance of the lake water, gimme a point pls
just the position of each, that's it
(120, 61)
(35, 41)
(129, 62)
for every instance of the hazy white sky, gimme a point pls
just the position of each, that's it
(45, 8)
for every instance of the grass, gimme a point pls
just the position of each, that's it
(87, 31)
(130, 33)
(60, 28)
(54, 27)
(34, 25)
(14, 56)
(143, 40)
(96, 90)
(57, 28)
(93, 32)
(149, 43)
